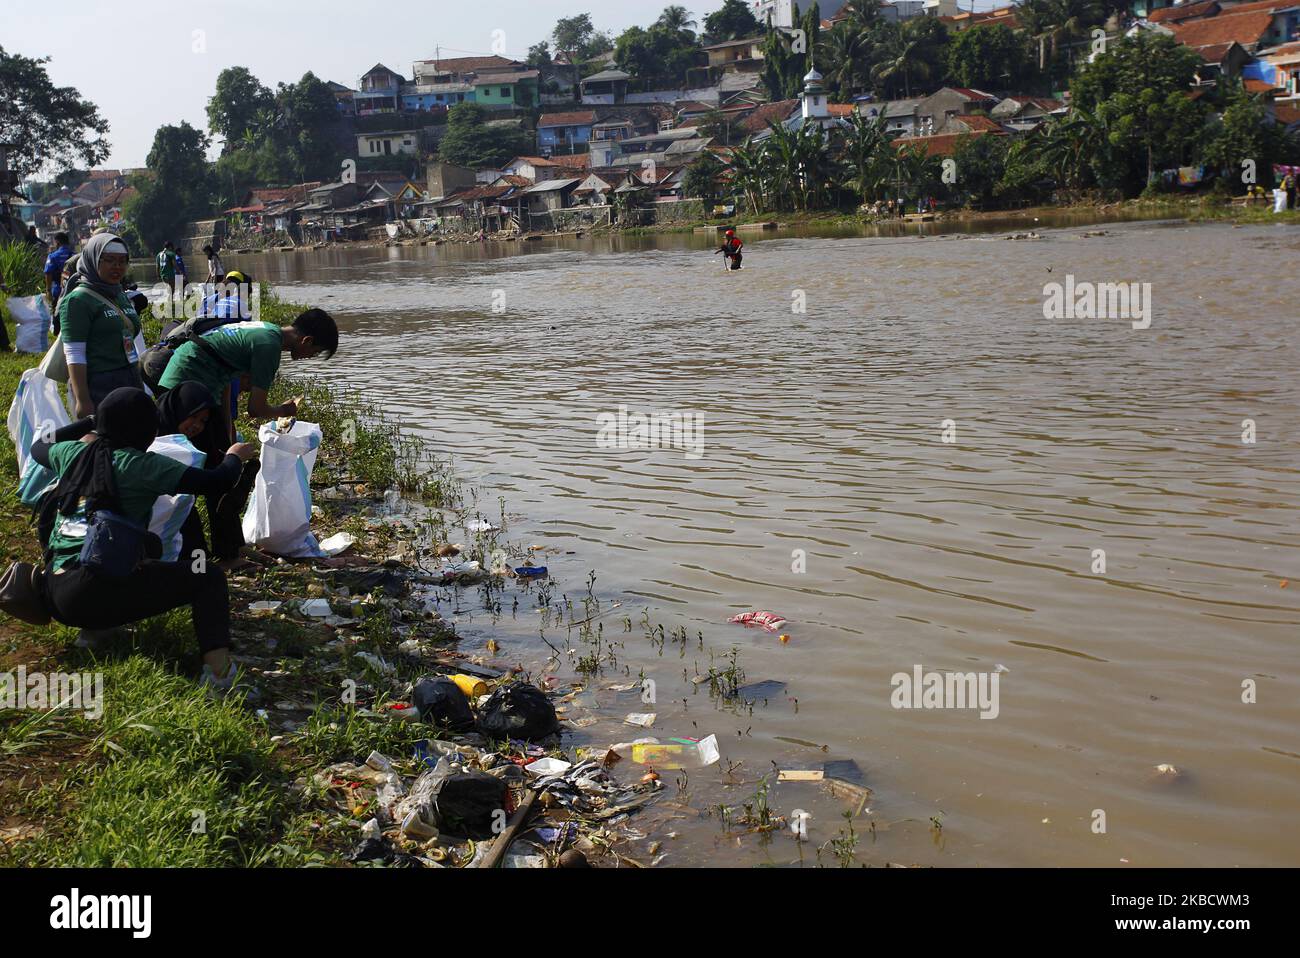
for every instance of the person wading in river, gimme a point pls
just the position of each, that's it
(731, 247)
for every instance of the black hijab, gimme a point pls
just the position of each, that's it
(126, 419)
(180, 403)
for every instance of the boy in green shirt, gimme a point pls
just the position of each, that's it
(233, 352)
(167, 263)
(250, 349)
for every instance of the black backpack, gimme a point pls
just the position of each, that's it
(155, 360)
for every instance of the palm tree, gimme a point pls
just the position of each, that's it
(749, 171)
(1071, 143)
(902, 56)
(866, 151)
(1051, 22)
(839, 58)
(676, 19)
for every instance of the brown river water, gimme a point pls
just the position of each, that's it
(824, 491)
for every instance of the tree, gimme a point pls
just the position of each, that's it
(307, 124)
(749, 173)
(178, 190)
(1055, 22)
(657, 55)
(987, 57)
(721, 127)
(234, 108)
(839, 59)
(904, 57)
(539, 55)
(982, 162)
(734, 21)
(677, 19)
(865, 154)
(574, 35)
(1136, 95)
(471, 141)
(702, 179)
(46, 126)
(1245, 132)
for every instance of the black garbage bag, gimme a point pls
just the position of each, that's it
(381, 850)
(518, 711)
(442, 703)
(469, 804)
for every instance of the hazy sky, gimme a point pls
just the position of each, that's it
(143, 64)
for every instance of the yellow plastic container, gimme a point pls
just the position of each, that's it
(472, 687)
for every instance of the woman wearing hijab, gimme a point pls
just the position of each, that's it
(188, 410)
(109, 469)
(99, 325)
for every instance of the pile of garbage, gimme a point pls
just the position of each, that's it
(491, 789)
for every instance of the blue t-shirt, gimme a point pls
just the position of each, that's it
(180, 266)
(54, 267)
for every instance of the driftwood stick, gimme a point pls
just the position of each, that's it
(498, 850)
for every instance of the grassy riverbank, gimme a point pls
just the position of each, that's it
(168, 777)
(1208, 208)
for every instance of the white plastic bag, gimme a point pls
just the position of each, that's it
(36, 412)
(1279, 201)
(279, 512)
(32, 318)
(170, 512)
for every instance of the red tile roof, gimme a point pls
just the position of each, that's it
(941, 144)
(1185, 12)
(574, 118)
(777, 112)
(472, 64)
(1269, 5)
(841, 109)
(982, 124)
(1244, 28)
(515, 180)
(1215, 52)
(973, 94)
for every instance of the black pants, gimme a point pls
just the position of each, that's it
(735, 260)
(88, 600)
(224, 511)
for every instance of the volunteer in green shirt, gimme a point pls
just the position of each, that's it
(234, 351)
(250, 349)
(167, 263)
(111, 469)
(99, 325)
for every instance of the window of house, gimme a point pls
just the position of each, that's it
(505, 92)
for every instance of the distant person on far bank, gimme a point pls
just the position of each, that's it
(216, 271)
(167, 264)
(180, 268)
(54, 264)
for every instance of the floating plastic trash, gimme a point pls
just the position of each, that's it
(530, 571)
(338, 544)
(682, 753)
(800, 775)
(547, 766)
(317, 608)
(770, 621)
(641, 719)
(758, 691)
(481, 525)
